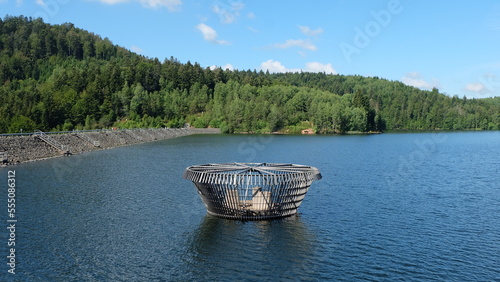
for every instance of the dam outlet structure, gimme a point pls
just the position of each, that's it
(252, 191)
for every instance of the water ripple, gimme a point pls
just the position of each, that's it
(126, 214)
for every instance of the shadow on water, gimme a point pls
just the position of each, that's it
(251, 250)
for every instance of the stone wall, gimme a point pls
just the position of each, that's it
(20, 149)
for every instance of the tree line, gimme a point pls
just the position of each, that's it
(59, 77)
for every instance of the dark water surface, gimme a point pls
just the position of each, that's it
(389, 207)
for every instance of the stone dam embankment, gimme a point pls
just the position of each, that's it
(18, 149)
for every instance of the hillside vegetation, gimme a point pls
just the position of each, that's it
(59, 77)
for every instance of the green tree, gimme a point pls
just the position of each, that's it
(21, 124)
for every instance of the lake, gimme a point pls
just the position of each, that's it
(423, 206)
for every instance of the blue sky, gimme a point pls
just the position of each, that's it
(451, 45)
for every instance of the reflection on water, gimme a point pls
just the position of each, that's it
(127, 215)
(282, 247)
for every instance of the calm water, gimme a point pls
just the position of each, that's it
(389, 207)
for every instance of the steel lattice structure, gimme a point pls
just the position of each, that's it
(252, 191)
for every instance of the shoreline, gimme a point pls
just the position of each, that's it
(28, 148)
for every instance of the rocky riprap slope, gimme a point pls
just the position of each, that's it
(20, 149)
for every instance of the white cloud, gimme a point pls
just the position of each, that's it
(171, 5)
(252, 29)
(229, 13)
(305, 44)
(40, 2)
(319, 67)
(310, 32)
(415, 79)
(276, 67)
(251, 15)
(486, 85)
(209, 34)
(225, 16)
(136, 49)
(476, 87)
(228, 67)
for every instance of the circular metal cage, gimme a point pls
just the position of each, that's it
(252, 191)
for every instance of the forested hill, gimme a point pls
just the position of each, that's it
(59, 77)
